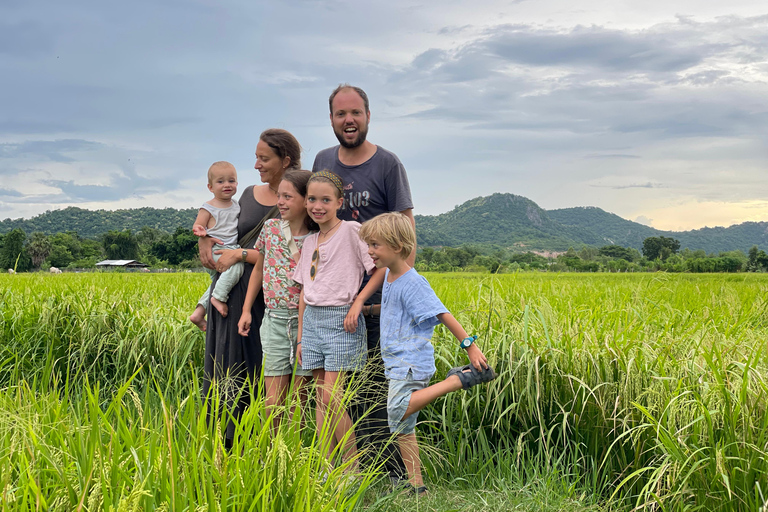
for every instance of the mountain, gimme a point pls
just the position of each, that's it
(504, 220)
(619, 231)
(612, 229)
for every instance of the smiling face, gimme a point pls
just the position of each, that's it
(349, 118)
(222, 181)
(289, 201)
(323, 202)
(382, 254)
(269, 164)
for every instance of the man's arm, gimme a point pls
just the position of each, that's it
(411, 260)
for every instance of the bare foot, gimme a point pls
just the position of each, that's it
(221, 307)
(198, 317)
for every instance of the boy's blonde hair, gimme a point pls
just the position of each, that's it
(394, 229)
(221, 164)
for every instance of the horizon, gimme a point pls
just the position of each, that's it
(651, 111)
(415, 212)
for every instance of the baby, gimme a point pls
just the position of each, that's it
(218, 219)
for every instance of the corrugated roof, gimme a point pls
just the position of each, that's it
(116, 263)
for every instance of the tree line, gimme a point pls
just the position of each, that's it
(159, 249)
(69, 250)
(658, 254)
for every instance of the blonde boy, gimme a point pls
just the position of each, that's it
(217, 218)
(410, 310)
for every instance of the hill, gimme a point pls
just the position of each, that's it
(504, 220)
(619, 231)
(91, 224)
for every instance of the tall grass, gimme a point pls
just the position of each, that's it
(100, 409)
(650, 390)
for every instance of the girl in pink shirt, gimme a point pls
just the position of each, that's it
(332, 337)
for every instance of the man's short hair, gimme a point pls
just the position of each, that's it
(358, 90)
(394, 229)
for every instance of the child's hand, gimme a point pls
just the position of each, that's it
(350, 321)
(477, 358)
(298, 352)
(199, 230)
(244, 325)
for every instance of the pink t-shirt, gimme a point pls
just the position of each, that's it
(343, 260)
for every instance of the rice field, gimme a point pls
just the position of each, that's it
(616, 392)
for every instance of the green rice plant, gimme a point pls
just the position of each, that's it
(126, 452)
(648, 390)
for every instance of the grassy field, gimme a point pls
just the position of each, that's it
(643, 391)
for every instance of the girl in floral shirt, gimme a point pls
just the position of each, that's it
(274, 273)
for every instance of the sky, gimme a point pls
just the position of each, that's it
(656, 111)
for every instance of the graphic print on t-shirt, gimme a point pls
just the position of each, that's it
(354, 200)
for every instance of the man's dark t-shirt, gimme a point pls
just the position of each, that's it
(376, 186)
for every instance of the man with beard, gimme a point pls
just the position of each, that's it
(375, 182)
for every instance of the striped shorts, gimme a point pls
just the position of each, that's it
(326, 345)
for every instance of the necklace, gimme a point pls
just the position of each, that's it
(324, 233)
(273, 189)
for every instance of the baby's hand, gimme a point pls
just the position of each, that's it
(199, 230)
(244, 325)
(477, 358)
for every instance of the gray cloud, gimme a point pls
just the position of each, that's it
(9, 193)
(612, 156)
(24, 39)
(53, 150)
(595, 47)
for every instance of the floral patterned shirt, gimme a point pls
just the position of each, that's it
(280, 290)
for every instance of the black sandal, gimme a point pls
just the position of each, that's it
(473, 377)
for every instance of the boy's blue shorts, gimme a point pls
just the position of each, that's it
(397, 403)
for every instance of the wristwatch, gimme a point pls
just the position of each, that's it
(466, 342)
(245, 255)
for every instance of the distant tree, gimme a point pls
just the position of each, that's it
(425, 255)
(757, 260)
(38, 247)
(181, 246)
(660, 247)
(13, 254)
(617, 251)
(120, 245)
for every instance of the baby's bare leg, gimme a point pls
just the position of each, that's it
(221, 307)
(198, 317)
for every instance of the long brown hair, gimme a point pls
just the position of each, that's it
(299, 179)
(284, 144)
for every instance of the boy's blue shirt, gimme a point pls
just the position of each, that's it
(409, 310)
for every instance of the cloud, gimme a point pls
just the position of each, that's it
(637, 185)
(49, 149)
(10, 193)
(24, 39)
(642, 219)
(612, 156)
